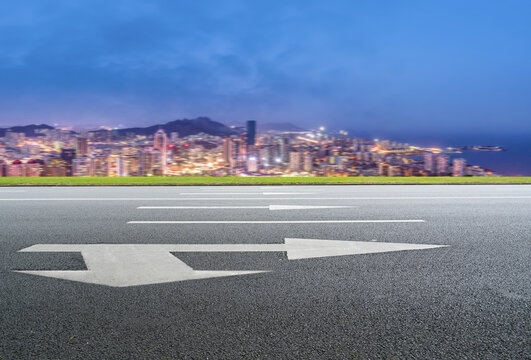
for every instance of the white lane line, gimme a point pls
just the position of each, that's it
(277, 222)
(261, 198)
(247, 193)
(270, 207)
(256, 190)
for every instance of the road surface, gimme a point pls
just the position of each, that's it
(426, 272)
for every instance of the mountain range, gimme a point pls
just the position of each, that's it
(184, 127)
(28, 130)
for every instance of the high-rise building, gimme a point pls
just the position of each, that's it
(160, 143)
(308, 162)
(251, 133)
(68, 155)
(458, 167)
(82, 166)
(228, 152)
(252, 164)
(295, 161)
(429, 162)
(81, 146)
(442, 165)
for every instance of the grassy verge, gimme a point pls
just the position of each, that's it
(124, 181)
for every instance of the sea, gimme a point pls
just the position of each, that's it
(516, 161)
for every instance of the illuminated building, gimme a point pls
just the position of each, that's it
(295, 161)
(228, 152)
(81, 166)
(145, 164)
(81, 146)
(158, 167)
(98, 166)
(394, 171)
(55, 167)
(68, 155)
(160, 143)
(458, 167)
(16, 168)
(174, 136)
(442, 165)
(308, 162)
(252, 164)
(383, 169)
(112, 165)
(429, 162)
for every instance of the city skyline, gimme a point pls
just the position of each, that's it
(202, 147)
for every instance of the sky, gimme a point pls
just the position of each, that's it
(391, 67)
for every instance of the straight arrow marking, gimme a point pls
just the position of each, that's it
(121, 265)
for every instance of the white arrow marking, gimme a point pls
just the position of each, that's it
(274, 222)
(122, 265)
(270, 207)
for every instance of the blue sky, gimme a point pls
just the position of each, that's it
(399, 67)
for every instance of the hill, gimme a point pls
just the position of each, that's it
(28, 130)
(184, 127)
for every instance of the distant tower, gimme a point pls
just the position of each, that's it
(250, 138)
(160, 143)
(251, 133)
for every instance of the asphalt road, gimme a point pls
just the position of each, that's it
(470, 299)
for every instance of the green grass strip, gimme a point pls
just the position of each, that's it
(134, 181)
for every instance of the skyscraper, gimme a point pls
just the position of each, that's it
(160, 143)
(228, 152)
(251, 132)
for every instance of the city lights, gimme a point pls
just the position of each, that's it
(62, 152)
